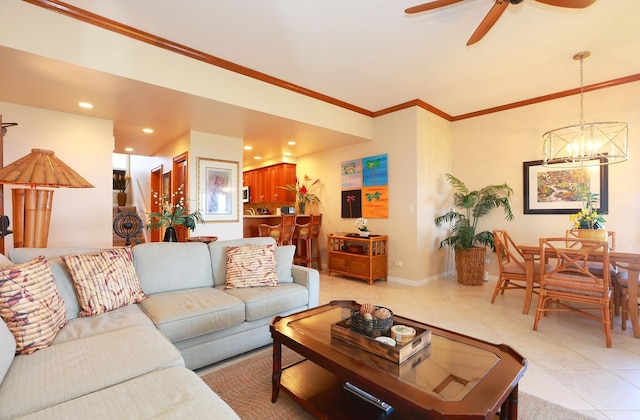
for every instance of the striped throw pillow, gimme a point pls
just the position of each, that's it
(251, 266)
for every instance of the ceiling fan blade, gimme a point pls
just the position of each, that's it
(572, 4)
(430, 6)
(489, 20)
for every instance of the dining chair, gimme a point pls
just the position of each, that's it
(621, 290)
(596, 267)
(611, 237)
(571, 284)
(512, 271)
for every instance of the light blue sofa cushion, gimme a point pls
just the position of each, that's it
(7, 349)
(69, 370)
(166, 266)
(261, 302)
(218, 251)
(172, 393)
(284, 261)
(120, 318)
(191, 313)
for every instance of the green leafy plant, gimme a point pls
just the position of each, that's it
(473, 205)
(171, 215)
(588, 217)
(305, 191)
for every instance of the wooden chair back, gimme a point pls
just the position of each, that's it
(571, 282)
(288, 227)
(611, 237)
(507, 251)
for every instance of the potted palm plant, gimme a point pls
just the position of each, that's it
(469, 244)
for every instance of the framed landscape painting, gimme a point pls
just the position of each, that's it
(552, 189)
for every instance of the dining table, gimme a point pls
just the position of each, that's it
(627, 256)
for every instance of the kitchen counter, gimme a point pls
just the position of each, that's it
(251, 223)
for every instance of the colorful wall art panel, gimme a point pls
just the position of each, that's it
(351, 174)
(374, 171)
(365, 190)
(351, 204)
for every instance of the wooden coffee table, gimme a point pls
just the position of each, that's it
(456, 376)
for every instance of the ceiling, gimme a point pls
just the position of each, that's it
(367, 53)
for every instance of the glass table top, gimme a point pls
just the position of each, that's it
(447, 369)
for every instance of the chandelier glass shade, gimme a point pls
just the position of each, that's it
(601, 143)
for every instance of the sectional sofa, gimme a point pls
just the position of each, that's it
(136, 360)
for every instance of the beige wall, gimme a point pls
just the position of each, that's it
(79, 216)
(480, 151)
(421, 146)
(212, 146)
(491, 149)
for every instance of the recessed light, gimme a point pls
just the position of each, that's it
(287, 153)
(248, 148)
(291, 143)
(85, 105)
(148, 130)
(257, 157)
(128, 149)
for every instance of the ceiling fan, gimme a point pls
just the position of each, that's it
(496, 11)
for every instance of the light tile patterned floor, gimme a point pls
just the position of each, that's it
(569, 363)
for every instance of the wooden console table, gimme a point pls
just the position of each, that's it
(358, 257)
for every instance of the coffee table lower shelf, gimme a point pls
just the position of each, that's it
(320, 392)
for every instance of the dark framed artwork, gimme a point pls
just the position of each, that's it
(119, 181)
(551, 189)
(351, 204)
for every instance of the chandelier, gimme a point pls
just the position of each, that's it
(586, 144)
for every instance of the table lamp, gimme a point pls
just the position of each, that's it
(32, 206)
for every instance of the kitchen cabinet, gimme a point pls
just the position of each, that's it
(264, 183)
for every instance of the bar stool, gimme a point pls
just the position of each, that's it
(308, 233)
(288, 226)
(274, 231)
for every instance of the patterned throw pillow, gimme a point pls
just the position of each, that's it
(30, 304)
(104, 281)
(251, 266)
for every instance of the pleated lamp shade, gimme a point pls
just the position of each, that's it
(41, 168)
(32, 206)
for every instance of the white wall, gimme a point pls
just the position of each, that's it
(79, 216)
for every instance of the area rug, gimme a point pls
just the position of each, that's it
(246, 386)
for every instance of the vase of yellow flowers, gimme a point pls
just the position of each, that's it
(305, 192)
(171, 215)
(588, 222)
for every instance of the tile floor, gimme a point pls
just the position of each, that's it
(569, 363)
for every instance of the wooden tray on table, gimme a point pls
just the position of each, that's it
(342, 331)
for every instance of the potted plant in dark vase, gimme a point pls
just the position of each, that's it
(469, 244)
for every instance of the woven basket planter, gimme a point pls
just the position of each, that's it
(470, 265)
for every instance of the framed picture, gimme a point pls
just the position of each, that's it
(166, 185)
(218, 189)
(119, 180)
(246, 194)
(551, 189)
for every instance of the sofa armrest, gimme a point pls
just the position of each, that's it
(309, 278)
